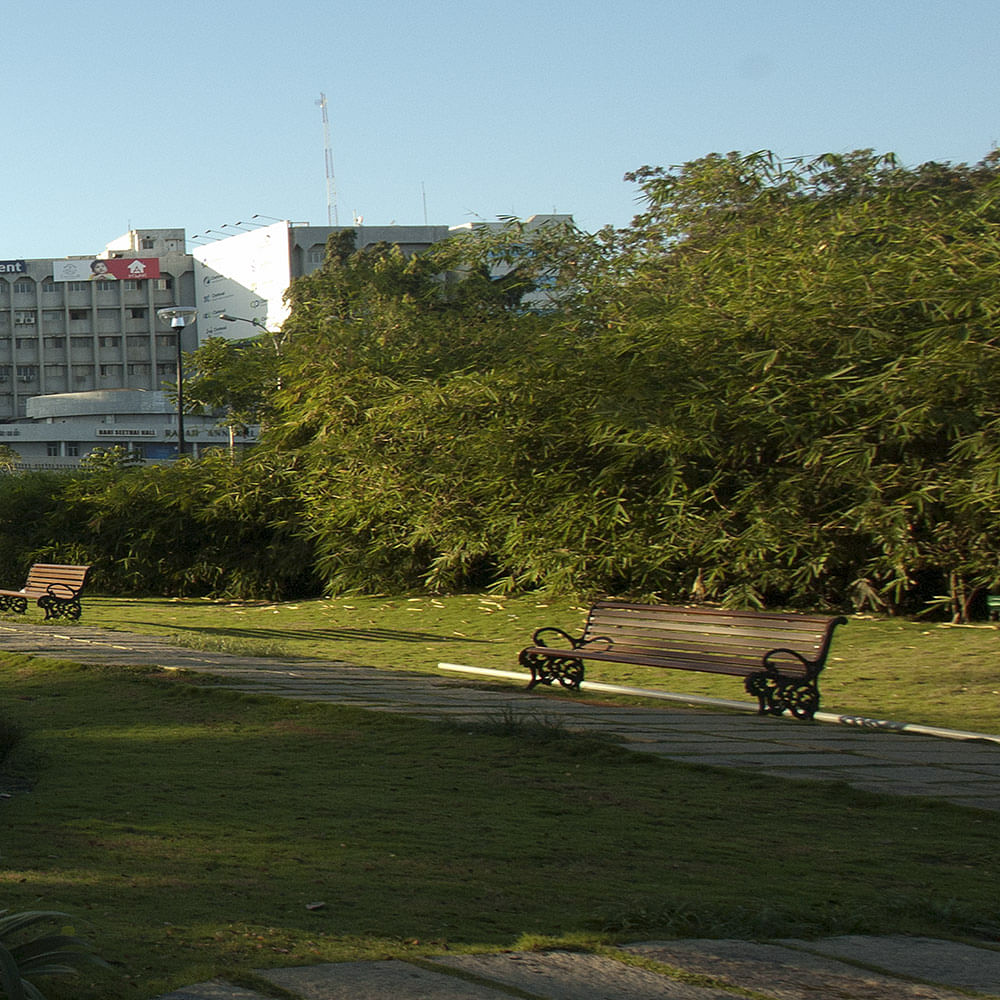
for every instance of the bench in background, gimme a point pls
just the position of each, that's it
(54, 588)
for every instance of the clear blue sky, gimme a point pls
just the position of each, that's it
(197, 113)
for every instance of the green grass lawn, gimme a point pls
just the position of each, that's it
(917, 672)
(193, 831)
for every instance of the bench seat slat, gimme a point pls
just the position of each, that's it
(764, 640)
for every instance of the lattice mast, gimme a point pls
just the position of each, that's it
(331, 184)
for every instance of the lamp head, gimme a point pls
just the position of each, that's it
(178, 316)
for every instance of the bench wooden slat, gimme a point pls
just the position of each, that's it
(754, 645)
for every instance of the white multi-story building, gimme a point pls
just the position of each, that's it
(247, 274)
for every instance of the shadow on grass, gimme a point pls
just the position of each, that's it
(318, 634)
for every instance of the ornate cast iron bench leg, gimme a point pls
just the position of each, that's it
(59, 607)
(779, 694)
(12, 602)
(567, 671)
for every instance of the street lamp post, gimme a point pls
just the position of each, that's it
(179, 317)
(240, 319)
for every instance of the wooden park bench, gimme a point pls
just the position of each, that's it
(779, 655)
(56, 589)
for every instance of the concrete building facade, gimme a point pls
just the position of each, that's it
(79, 324)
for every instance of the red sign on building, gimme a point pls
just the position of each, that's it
(118, 267)
(106, 268)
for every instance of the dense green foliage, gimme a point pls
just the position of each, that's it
(778, 385)
(212, 526)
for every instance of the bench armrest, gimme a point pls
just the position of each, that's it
(538, 638)
(61, 591)
(810, 665)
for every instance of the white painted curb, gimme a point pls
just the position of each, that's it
(855, 721)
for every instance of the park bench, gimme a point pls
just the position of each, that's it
(779, 655)
(55, 588)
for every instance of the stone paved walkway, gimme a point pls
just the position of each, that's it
(962, 770)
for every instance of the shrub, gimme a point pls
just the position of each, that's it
(28, 949)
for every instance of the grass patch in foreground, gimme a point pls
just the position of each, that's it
(197, 832)
(887, 668)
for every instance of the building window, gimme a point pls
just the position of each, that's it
(78, 286)
(105, 286)
(164, 284)
(132, 284)
(79, 314)
(49, 286)
(24, 287)
(166, 371)
(148, 243)
(137, 312)
(26, 373)
(109, 341)
(52, 449)
(138, 369)
(110, 371)
(25, 343)
(166, 340)
(315, 256)
(24, 317)
(54, 343)
(4, 373)
(73, 449)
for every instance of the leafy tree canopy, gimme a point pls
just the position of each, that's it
(777, 384)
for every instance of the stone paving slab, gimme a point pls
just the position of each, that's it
(562, 975)
(789, 973)
(937, 961)
(388, 980)
(216, 989)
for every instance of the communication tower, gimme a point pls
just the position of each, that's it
(331, 184)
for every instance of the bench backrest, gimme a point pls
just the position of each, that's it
(736, 640)
(41, 576)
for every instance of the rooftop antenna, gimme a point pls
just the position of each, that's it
(331, 186)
